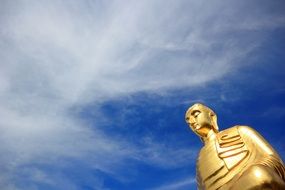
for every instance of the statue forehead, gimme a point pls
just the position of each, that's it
(198, 106)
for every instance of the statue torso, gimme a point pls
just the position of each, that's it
(218, 159)
(227, 154)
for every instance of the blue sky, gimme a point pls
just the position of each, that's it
(93, 93)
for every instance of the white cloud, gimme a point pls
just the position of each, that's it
(56, 55)
(178, 185)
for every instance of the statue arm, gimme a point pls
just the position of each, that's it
(258, 141)
(271, 158)
(267, 170)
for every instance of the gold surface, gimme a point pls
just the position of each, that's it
(238, 158)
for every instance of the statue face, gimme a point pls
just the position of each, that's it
(199, 120)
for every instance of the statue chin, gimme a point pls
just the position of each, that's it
(237, 158)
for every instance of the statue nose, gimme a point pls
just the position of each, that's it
(191, 120)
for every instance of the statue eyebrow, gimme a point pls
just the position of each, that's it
(194, 111)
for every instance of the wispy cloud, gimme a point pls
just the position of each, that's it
(178, 185)
(56, 55)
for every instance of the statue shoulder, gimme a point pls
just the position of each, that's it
(242, 128)
(247, 131)
(238, 130)
(257, 139)
(250, 133)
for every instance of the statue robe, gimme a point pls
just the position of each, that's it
(227, 154)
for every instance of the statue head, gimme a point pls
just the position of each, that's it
(201, 119)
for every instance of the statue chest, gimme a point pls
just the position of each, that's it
(218, 159)
(210, 166)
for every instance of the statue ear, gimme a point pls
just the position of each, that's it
(212, 115)
(214, 120)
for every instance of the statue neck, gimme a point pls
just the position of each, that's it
(210, 137)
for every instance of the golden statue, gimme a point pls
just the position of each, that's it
(237, 158)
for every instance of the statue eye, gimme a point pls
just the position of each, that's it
(196, 113)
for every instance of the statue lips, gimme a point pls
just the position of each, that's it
(196, 126)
